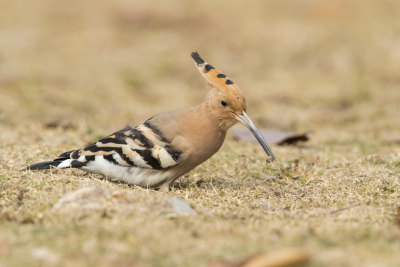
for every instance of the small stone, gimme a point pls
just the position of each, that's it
(179, 207)
(46, 255)
(82, 196)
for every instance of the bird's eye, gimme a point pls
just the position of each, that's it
(223, 103)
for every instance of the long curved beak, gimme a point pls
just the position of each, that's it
(243, 118)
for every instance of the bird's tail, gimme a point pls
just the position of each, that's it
(58, 163)
(44, 165)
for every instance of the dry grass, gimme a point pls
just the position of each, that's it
(92, 66)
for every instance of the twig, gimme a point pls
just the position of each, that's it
(341, 209)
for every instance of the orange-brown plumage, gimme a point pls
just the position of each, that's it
(168, 145)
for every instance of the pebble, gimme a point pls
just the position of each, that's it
(179, 207)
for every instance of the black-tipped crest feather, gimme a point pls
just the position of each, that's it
(197, 58)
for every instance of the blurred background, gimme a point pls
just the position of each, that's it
(302, 65)
(73, 71)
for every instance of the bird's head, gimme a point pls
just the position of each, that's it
(226, 102)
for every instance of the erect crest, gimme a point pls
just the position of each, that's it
(213, 76)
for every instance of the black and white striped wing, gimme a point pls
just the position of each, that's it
(142, 146)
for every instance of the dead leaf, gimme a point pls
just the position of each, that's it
(225, 264)
(271, 136)
(282, 258)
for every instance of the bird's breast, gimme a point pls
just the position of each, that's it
(204, 140)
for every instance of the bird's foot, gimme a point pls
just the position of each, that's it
(165, 187)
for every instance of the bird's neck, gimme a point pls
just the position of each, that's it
(218, 120)
(202, 132)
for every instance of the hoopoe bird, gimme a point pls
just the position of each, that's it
(168, 145)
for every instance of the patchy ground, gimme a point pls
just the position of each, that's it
(70, 73)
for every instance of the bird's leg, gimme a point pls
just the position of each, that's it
(165, 187)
